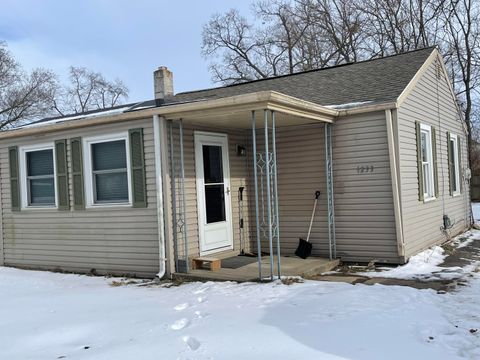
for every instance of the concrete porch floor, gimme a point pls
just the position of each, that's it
(291, 266)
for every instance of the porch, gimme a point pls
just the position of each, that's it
(241, 175)
(290, 266)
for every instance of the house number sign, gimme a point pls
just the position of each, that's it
(363, 169)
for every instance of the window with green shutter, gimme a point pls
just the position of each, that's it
(37, 176)
(109, 172)
(115, 169)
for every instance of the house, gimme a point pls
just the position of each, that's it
(144, 188)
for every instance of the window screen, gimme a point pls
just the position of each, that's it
(40, 178)
(110, 175)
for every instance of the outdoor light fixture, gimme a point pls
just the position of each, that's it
(241, 150)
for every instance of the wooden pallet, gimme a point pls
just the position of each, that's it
(211, 263)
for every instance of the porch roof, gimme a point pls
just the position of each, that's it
(234, 111)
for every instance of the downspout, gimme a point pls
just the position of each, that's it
(159, 190)
(395, 184)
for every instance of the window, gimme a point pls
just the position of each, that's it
(38, 176)
(454, 164)
(427, 162)
(107, 170)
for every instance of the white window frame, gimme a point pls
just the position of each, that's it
(23, 150)
(429, 185)
(88, 169)
(454, 139)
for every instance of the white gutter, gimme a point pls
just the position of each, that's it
(395, 184)
(159, 190)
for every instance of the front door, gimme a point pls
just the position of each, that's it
(213, 192)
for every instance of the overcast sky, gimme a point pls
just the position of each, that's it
(127, 39)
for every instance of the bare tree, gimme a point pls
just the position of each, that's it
(341, 25)
(88, 90)
(288, 36)
(28, 96)
(396, 26)
(296, 35)
(463, 51)
(23, 96)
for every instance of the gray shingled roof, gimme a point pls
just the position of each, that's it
(377, 80)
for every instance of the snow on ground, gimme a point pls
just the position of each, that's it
(426, 264)
(420, 265)
(57, 316)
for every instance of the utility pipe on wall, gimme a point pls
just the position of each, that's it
(157, 135)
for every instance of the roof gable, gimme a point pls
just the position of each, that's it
(376, 80)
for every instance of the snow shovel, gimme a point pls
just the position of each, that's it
(304, 248)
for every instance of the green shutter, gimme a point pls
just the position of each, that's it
(77, 173)
(419, 162)
(434, 158)
(450, 165)
(14, 178)
(459, 143)
(137, 161)
(62, 174)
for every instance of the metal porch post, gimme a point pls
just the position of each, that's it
(269, 195)
(174, 194)
(275, 190)
(255, 180)
(184, 202)
(330, 202)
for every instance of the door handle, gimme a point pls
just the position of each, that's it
(227, 191)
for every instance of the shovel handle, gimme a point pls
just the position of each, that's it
(317, 195)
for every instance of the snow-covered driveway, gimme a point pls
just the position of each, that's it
(56, 316)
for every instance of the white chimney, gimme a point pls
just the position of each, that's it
(162, 82)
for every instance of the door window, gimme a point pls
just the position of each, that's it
(214, 183)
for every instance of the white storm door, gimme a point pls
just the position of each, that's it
(213, 192)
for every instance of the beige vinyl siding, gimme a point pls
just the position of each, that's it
(365, 220)
(365, 223)
(422, 221)
(238, 177)
(113, 240)
(301, 172)
(364, 214)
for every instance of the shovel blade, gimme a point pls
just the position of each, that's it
(304, 249)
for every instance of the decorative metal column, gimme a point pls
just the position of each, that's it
(266, 193)
(255, 180)
(276, 219)
(174, 193)
(184, 201)
(330, 202)
(178, 199)
(269, 194)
